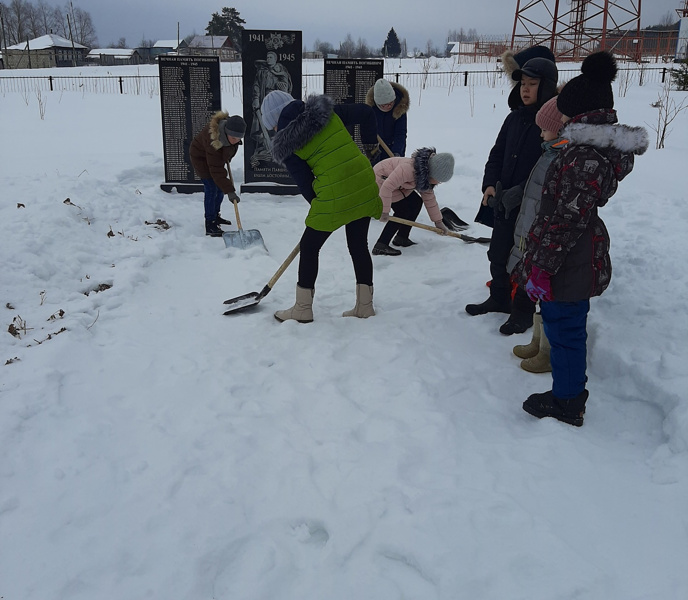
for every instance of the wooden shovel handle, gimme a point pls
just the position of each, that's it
(284, 266)
(385, 147)
(236, 213)
(424, 226)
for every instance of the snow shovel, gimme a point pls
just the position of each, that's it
(243, 238)
(252, 299)
(452, 220)
(466, 238)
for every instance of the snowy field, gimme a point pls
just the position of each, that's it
(152, 448)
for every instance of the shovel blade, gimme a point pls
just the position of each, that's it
(244, 238)
(242, 302)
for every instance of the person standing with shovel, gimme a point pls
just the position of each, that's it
(213, 148)
(338, 182)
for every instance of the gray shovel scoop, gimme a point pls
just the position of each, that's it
(243, 238)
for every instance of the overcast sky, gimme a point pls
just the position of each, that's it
(416, 21)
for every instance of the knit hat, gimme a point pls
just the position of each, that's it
(383, 92)
(540, 68)
(548, 118)
(272, 106)
(233, 126)
(592, 89)
(441, 166)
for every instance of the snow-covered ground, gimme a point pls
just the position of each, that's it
(151, 447)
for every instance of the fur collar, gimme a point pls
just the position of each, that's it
(421, 168)
(402, 102)
(624, 138)
(214, 128)
(316, 113)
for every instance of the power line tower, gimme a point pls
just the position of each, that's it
(572, 29)
(683, 11)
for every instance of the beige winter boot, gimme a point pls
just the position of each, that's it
(540, 362)
(531, 349)
(364, 303)
(302, 311)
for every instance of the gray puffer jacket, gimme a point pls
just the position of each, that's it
(530, 204)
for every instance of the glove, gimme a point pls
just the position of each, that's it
(440, 225)
(384, 217)
(493, 201)
(539, 286)
(371, 151)
(511, 198)
(232, 196)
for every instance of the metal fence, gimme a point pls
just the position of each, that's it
(149, 85)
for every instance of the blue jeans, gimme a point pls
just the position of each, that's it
(564, 324)
(212, 200)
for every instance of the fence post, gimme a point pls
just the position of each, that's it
(396, 77)
(121, 91)
(465, 78)
(663, 73)
(50, 79)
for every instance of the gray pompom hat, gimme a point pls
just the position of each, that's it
(441, 166)
(383, 92)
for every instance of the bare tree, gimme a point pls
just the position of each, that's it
(347, 47)
(48, 17)
(668, 110)
(82, 27)
(362, 49)
(16, 16)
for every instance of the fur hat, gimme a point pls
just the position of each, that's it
(511, 61)
(540, 68)
(548, 118)
(272, 106)
(233, 126)
(592, 89)
(383, 92)
(441, 166)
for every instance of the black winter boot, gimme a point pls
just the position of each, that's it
(518, 322)
(213, 229)
(490, 305)
(381, 249)
(220, 221)
(548, 405)
(402, 242)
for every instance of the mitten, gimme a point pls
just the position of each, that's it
(232, 197)
(440, 225)
(539, 286)
(384, 217)
(371, 151)
(511, 198)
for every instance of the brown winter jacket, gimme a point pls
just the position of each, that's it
(568, 239)
(209, 156)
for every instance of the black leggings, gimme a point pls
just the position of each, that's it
(356, 240)
(406, 208)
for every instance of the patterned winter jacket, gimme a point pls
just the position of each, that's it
(398, 177)
(530, 205)
(324, 161)
(568, 238)
(392, 125)
(208, 155)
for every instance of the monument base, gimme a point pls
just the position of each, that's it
(275, 188)
(181, 188)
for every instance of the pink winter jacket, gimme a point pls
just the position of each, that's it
(396, 179)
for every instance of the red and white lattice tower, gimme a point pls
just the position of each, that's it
(572, 29)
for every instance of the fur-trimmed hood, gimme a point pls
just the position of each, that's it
(214, 128)
(421, 167)
(306, 120)
(624, 138)
(509, 64)
(401, 104)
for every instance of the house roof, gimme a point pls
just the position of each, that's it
(120, 52)
(166, 44)
(49, 40)
(210, 41)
